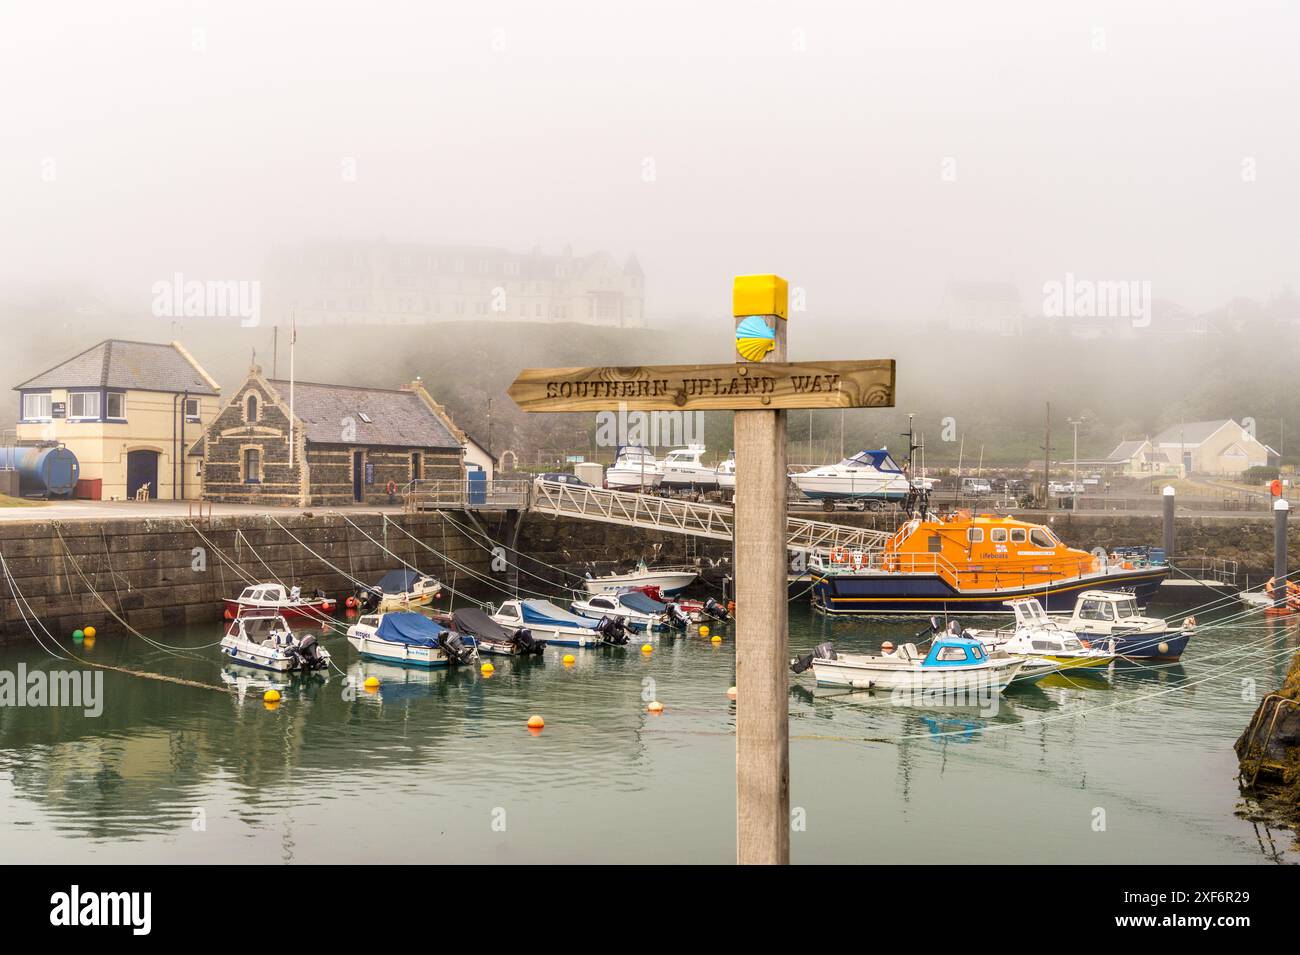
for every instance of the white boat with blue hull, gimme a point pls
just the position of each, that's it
(264, 641)
(1113, 619)
(870, 475)
(561, 627)
(408, 638)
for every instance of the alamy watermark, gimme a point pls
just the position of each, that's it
(1088, 298)
(646, 429)
(79, 689)
(182, 298)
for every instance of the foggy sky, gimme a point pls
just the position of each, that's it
(803, 138)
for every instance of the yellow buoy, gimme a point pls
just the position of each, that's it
(655, 707)
(89, 632)
(731, 692)
(487, 669)
(647, 649)
(372, 683)
(271, 696)
(715, 639)
(704, 630)
(535, 722)
(88, 642)
(568, 660)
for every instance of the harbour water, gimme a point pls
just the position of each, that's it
(439, 766)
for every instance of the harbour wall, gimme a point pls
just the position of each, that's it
(159, 572)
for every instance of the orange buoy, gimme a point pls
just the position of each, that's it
(535, 722)
(731, 692)
(229, 614)
(655, 707)
(886, 647)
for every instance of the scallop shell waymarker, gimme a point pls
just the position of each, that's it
(754, 338)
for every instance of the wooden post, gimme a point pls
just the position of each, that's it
(762, 613)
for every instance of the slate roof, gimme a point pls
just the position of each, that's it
(113, 363)
(1126, 450)
(398, 419)
(1190, 433)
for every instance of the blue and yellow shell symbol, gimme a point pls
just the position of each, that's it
(754, 338)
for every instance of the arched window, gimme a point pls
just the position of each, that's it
(250, 411)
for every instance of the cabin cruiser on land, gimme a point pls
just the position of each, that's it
(727, 474)
(408, 638)
(870, 476)
(972, 565)
(685, 468)
(634, 469)
(560, 627)
(262, 639)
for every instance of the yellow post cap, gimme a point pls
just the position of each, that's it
(760, 295)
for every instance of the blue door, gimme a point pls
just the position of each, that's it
(477, 487)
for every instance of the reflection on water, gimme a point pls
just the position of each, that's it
(438, 765)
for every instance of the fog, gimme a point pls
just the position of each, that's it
(873, 154)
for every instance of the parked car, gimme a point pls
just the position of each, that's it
(560, 477)
(976, 486)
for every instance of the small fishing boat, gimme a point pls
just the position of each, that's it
(1113, 619)
(262, 639)
(957, 664)
(408, 638)
(402, 589)
(1035, 634)
(493, 639)
(638, 611)
(685, 468)
(275, 598)
(634, 469)
(871, 476)
(669, 580)
(559, 626)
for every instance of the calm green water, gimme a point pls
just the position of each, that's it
(440, 767)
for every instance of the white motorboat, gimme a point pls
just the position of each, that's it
(1035, 634)
(954, 664)
(634, 469)
(1113, 619)
(669, 580)
(408, 638)
(288, 602)
(262, 639)
(403, 589)
(546, 621)
(685, 468)
(871, 476)
(491, 638)
(726, 473)
(638, 611)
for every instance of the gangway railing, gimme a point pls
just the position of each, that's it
(511, 494)
(679, 516)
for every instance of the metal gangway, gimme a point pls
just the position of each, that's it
(680, 516)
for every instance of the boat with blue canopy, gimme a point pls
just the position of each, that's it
(409, 638)
(638, 611)
(556, 625)
(870, 475)
(400, 589)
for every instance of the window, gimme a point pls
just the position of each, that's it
(83, 404)
(998, 535)
(116, 404)
(1017, 535)
(1041, 538)
(191, 409)
(250, 410)
(975, 535)
(417, 466)
(36, 406)
(1091, 610)
(364, 417)
(934, 544)
(252, 466)
(950, 654)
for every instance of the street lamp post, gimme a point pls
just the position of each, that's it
(1074, 486)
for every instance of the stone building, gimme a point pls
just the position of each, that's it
(337, 445)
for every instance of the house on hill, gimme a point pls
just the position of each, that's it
(128, 410)
(1221, 447)
(317, 444)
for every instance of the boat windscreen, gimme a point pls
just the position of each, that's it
(642, 603)
(880, 460)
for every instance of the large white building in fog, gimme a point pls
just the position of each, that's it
(352, 282)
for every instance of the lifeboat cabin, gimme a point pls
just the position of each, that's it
(973, 564)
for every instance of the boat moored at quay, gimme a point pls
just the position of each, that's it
(972, 565)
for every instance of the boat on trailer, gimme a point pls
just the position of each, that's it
(561, 627)
(971, 565)
(953, 664)
(634, 469)
(685, 468)
(403, 589)
(408, 638)
(276, 598)
(264, 640)
(491, 638)
(870, 476)
(669, 580)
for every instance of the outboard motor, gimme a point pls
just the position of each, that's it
(677, 618)
(612, 631)
(715, 610)
(455, 648)
(527, 643)
(368, 600)
(308, 653)
(823, 651)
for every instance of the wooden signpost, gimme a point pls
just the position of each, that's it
(759, 388)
